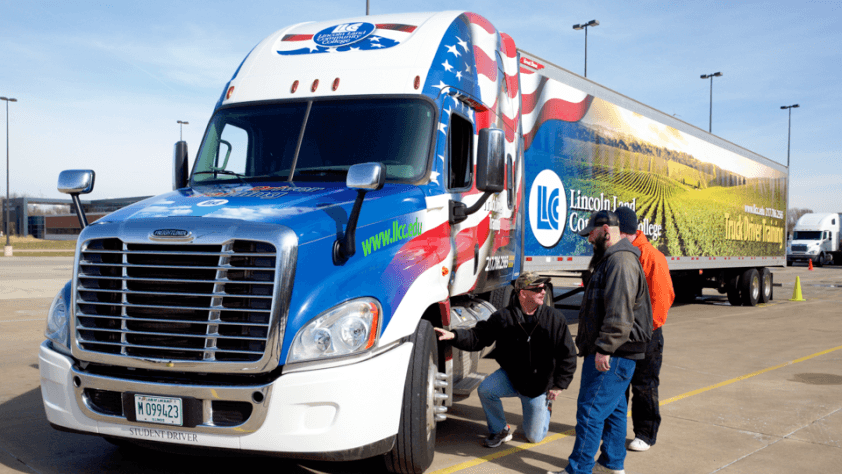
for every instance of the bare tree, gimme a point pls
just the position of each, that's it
(792, 217)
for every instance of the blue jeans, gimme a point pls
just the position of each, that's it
(536, 416)
(601, 415)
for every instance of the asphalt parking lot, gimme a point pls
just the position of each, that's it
(743, 390)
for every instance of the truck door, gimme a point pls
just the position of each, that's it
(483, 244)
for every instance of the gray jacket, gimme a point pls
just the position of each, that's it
(616, 313)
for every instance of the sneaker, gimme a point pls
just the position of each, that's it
(638, 444)
(494, 440)
(600, 469)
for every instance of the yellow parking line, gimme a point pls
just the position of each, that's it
(558, 436)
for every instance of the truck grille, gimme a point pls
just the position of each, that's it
(175, 302)
(799, 248)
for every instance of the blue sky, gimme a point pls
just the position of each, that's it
(101, 84)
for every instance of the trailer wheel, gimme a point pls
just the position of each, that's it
(416, 440)
(750, 287)
(734, 298)
(766, 285)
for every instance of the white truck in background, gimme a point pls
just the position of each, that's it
(816, 237)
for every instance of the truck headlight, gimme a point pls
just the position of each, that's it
(58, 330)
(349, 328)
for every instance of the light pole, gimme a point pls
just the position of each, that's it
(181, 124)
(8, 249)
(711, 76)
(366, 7)
(788, 133)
(584, 26)
(788, 130)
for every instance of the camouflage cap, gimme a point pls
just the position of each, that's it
(528, 279)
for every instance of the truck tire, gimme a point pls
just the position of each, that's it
(822, 260)
(750, 290)
(416, 440)
(501, 296)
(766, 284)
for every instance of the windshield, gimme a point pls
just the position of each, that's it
(261, 141)
(807, 235)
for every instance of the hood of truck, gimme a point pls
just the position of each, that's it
(312, 210)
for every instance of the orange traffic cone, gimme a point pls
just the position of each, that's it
(810, 264)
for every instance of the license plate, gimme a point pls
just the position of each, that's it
(154, 409)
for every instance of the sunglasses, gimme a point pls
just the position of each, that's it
(536, 289)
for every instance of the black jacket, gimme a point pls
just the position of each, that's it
(536, 357)
(616, 313)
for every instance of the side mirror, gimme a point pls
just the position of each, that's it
(368, 176)
(179, 166)
(74, 183)
(491, 172)
(363, 177)
(491, 163)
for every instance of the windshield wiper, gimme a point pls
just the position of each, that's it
(232, 173)
(318, 171)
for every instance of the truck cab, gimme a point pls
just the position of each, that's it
(816, 238)
(359, 183)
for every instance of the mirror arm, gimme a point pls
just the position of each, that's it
(477, 205)
(77, 204)
(345, 248)
(459, 211)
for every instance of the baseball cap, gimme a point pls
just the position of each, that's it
(628, 220)
(598, 219)
(528, 279)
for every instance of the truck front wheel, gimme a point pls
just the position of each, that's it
(416, 440)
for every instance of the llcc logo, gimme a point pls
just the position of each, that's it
(344, 34)
(547, 208)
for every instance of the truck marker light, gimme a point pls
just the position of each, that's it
(314, 86)
(417, 82)
(230, 91)
(336, 84)
(294, 87)
(375, 322)
(444, 271)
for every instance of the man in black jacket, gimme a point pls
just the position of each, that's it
(615, 323)
(536, 355)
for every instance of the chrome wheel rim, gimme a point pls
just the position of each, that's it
(431, 397)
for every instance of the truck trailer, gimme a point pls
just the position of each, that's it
(816, 237)
(359, 183)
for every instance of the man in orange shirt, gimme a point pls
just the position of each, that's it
(646, 415)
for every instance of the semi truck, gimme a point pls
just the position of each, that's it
(816, 237)
(360, 182)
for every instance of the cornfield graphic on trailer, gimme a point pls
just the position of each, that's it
(702, 201)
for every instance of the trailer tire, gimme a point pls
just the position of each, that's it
(734, 298)
(415, 442)
(766, 285)
(750, 290)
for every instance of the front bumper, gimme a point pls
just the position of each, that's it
(802, 257)
(320, 414)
